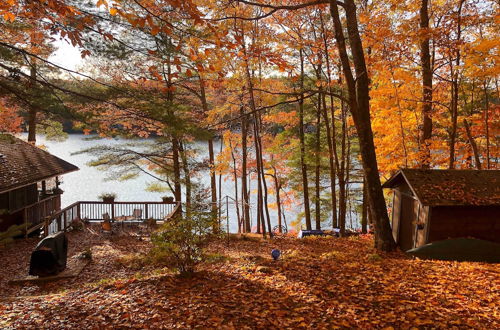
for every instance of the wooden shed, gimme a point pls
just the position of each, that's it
(29, 184)
(434, 205)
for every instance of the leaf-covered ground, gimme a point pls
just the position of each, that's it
(319, 283)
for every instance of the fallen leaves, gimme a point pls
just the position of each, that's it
(325, 283)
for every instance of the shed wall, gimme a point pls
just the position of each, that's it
(482, 222)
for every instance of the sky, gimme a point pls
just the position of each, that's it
(66, 55)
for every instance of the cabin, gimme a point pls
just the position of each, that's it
(434, 205)
(29, 183)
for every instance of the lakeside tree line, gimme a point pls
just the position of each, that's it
(314, 101)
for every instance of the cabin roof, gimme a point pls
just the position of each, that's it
(22, 163)
(450, 187)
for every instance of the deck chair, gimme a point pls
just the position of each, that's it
(136, 215)
(134, 218)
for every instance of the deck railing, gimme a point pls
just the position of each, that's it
(100, 211)
(35, 214)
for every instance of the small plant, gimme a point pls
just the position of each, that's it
(179, 243)
(107, 197)
(167, 199)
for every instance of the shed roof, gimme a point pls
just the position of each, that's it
(450, 187)
(22, 163)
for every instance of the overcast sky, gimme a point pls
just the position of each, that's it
(66, 55)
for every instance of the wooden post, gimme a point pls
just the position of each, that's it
(44, 189)
(78, 211)
(65, 220)
(46, 227)
(26, 223)
(146, 216)
(113, 210)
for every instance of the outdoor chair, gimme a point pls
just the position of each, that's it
(137, 214)
(134, 218)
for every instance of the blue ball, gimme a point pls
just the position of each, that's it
(275, 254)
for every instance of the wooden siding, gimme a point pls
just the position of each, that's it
(482, 222)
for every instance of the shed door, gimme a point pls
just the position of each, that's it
(396, 214)
(407, 222)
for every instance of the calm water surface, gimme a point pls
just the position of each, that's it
(89, 182)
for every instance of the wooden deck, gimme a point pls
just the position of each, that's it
(97, 211)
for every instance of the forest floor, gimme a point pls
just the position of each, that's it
(318, 283)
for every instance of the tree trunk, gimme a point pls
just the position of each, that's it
(187, 179)
(454, 89)
(359, 100)
(213, 184)
(177, 170)
(260, 212)
(454, 122)
(486, 124)
(244, 189)
(303, 165)
(263, 177)
(364, 210)
(278, 199)
(472, 144)
(32, 110)
(331, 163)
(425, 59)
(317, 165)
(341, 173)
(236, 197)
(330, 133)
(211, 160)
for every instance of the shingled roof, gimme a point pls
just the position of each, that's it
(22, 163)
(450, 187)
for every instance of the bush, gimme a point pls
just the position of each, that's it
(180, 242)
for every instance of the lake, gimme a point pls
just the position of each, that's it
(89, 182)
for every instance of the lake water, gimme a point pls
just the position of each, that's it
(89, 182)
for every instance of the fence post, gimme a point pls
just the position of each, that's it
(113, 210)
(146, 211)
(78, 211)
(65, 217)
